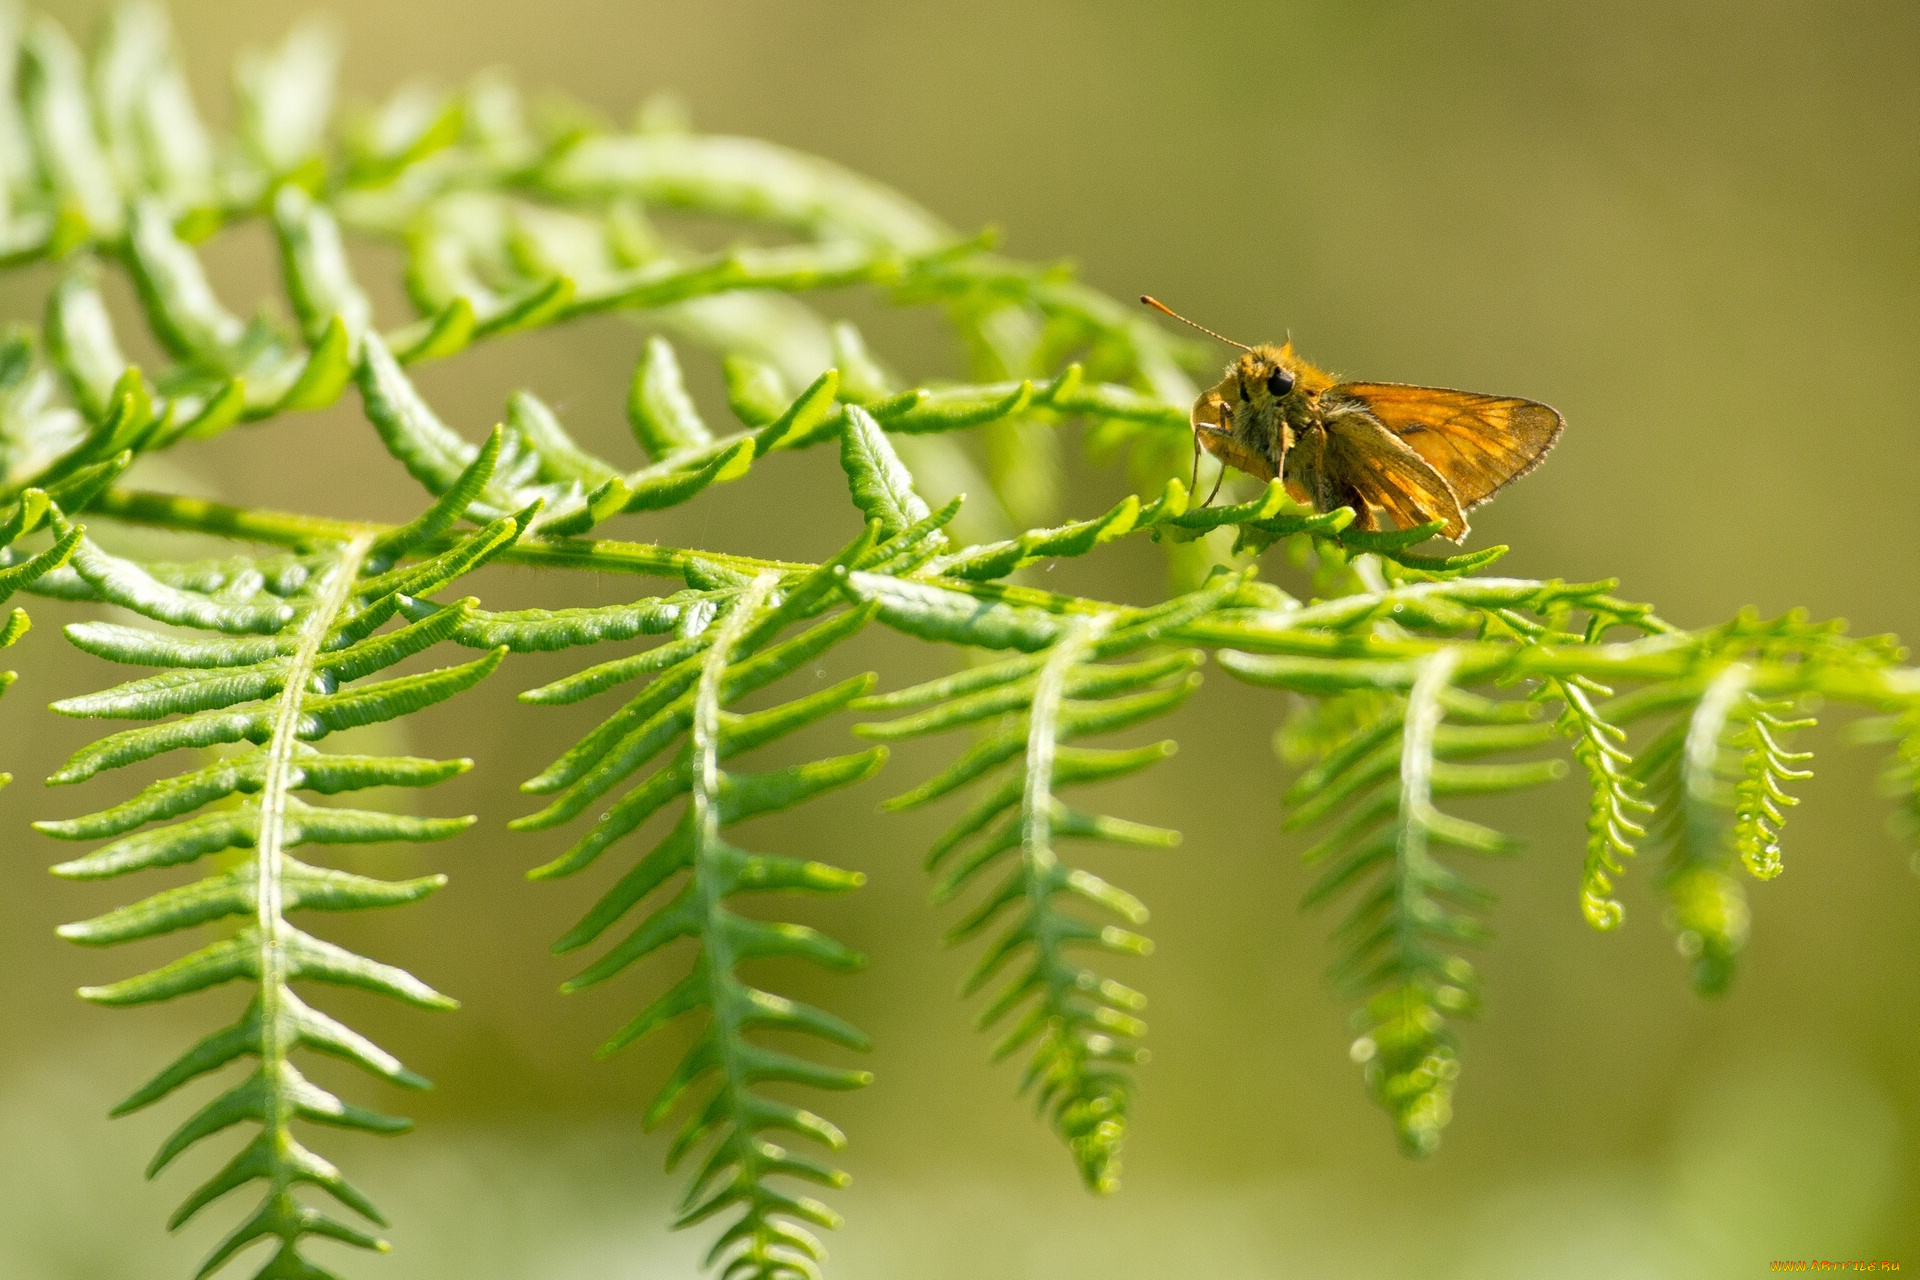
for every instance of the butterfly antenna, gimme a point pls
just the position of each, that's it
(1163, 308)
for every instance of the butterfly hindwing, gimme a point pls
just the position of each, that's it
(1365, 459)
(1478, 443)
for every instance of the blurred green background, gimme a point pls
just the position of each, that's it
(1690, 226)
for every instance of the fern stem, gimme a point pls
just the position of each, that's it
(1408, 1053)
(197, 515)
(1411, 855)
(270, 911)
(1709, 904)
(1036, 830)
(595, 555)
(1299, 633)
(1705, 728)
(704, 796)
(1424, 713)
(1036, 819)
(290, 529)
(1088, 1104)
(710, 882)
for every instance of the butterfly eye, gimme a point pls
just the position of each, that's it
(1279, 382)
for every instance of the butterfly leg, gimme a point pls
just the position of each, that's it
(1363, 517)
(1330, 492)
(1194, 485)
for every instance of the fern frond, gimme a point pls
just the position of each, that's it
(1719, 775)
(725, 650)
(1378, 787)
(292, 642)
(1396, 940)
(540, 462)
(1760, 797)
(727, 644)
(1083, 1028)
(1615, 807)
(1684, 769)
(473, 252)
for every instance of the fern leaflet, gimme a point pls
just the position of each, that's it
(1083, 1027)
(292, 640)
(724, 650)
(1379, 786)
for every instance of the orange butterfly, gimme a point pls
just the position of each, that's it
(1418, 453)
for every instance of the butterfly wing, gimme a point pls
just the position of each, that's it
(1365, 460)
(1478, 443)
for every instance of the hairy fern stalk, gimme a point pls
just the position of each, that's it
(1411, 681)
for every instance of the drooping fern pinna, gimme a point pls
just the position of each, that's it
(284, 664)
(1412, 680)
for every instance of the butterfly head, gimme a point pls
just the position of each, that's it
(1268, 377)
(1259, 409)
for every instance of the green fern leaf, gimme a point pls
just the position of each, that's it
(293, 641)
(1378, 787)
(1615, 807)
(725, 650)
(1082, 1028)
(1719, 775)
(1684, 770)
(1760, 798)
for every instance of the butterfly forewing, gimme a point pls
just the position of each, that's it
(1478, 443)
